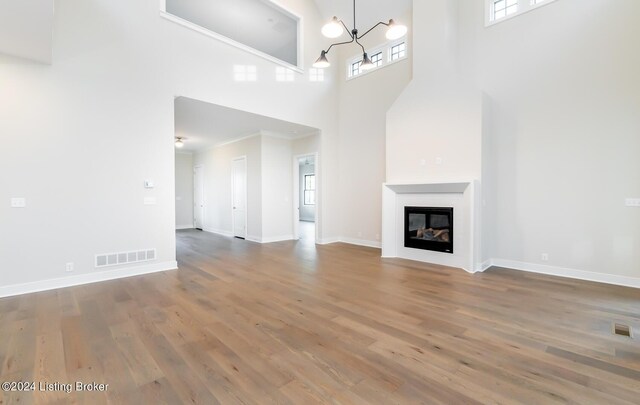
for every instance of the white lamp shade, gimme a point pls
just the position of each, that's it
(322, 62)
(332, 29)
(395, 30)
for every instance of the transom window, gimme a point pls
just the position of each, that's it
(380, 56)
(398, 51)
(498, 10)
(309, 189)
(376, 59)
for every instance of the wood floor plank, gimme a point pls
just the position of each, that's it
(291, 323)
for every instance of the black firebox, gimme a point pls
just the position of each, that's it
(429, 228)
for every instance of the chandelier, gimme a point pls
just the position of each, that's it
(335, 28)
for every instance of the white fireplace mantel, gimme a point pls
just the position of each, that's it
(461, 195)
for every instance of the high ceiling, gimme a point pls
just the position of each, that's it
(368, 13)
(26, 29)
(204, 125)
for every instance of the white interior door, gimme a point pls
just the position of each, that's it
(198, 197)
(239, 195)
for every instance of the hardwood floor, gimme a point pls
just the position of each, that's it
(291, 323)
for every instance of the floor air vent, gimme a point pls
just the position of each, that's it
(116, 259)
(622, 330)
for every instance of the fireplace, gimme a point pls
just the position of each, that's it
(429, 228)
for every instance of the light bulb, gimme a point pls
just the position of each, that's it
(322, 62)
(179, 143)
(366, 62)
(332, 29)
(395, 30)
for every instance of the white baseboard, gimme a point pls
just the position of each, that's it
(569, 273)
(485, 265)
(327, 241)
(178, 227)
(87, 278)
(277, 238)
(219, 232)
(253, 238)
(361, 242)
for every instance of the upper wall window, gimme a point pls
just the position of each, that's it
(380, 56)
(499, 10)
(259, 26)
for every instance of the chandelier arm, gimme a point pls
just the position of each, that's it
(356, 39)
(339, 43)
(372, 28)
(346, 29)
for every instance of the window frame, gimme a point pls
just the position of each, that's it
(311, 190)
(524, 6)
(298, 67)
(385, 60)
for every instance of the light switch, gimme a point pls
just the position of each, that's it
(149, 201)
(18, 202)
(149, 184)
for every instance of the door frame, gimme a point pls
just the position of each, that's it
(296, 194)
(246, 201)
(195, 202)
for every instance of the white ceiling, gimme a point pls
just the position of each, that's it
(368, 13)
(26, 29)
(204, 125)
(256, 23)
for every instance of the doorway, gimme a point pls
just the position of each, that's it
(239, 196)
(198, 197)
(305, 196)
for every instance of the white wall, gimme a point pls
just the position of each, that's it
(307, 212)
(564, 84)
(217, 168)
(558, 128)
(184, 190)
(363, 105)
(277, 189)
(80, 136)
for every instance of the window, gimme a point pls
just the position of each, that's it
(380, 56)
(284, 75)
(355, 68)
(261, 27)
(398, 51)
(376, 59)
(499, 10)
(245, 73)
(316, 75)
(309, 189)
(503, 8)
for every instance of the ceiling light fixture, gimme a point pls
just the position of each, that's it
(336, 27)
(179, 142)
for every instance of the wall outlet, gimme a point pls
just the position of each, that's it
(632, 202)
(69, 267)
(544, 257)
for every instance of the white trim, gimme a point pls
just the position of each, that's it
(361, 242)
(327, 241)
(524, 6)
(253, 238)
(568, 273)
(299, 68)
(242, 158)
(88, 278)
(219, 232)
(276, 238)
(180, 227)
(485, 265)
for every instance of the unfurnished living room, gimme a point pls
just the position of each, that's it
(320, 201)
